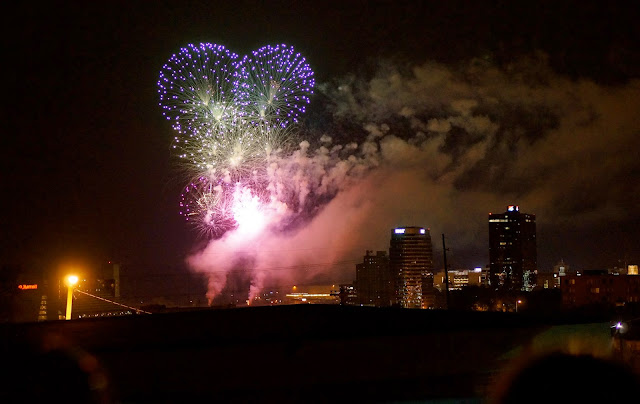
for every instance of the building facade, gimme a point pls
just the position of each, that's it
(552, 280)
(512, 249)
(460, 278)
(411, 263)
(374, 283)
(599, 288)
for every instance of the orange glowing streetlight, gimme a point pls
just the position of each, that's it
(71, 282)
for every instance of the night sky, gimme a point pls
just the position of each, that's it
(534, 104)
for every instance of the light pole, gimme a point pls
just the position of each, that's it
(71, 281)
(446, 273)
(517, 303)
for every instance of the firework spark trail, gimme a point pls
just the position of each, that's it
(206, 204)
(232, 152)
(277, 85)
(196, 88)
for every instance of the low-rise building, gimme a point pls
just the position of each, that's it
(599, 288)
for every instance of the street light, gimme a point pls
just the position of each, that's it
(71, 281)
(518, 302)
(621, 328)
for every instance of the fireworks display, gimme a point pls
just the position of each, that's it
(277, 86)
(405, 146)
(233, 116)
(196, 89)
(204, 204)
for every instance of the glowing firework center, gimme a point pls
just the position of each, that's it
(233, 116)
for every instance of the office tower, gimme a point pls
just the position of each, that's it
(410, 259)
(374, 282)
(512, 249)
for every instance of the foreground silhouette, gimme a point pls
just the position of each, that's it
(563, 377)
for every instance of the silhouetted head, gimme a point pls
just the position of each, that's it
(51, 369)
(562, 377)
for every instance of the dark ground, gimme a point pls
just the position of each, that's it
(303, 353)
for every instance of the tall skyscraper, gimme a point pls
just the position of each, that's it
(512, 249)
(374, 282)
(411, 262)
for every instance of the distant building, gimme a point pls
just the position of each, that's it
(552, 280)
(561, 268)
(28, 298)
(461, 278)
(347, 295)
(485, 279)
(624, 270)
(411, 263)
(512, 249)
(374, 282)
(547, 280)
(599, 288)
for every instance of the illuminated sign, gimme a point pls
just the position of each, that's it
(511, 208)
(399, 231)
(28, 286)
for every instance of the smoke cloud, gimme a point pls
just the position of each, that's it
(438, 146)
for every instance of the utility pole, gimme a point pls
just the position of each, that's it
(446, 273)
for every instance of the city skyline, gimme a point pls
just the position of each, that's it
(458, 112)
